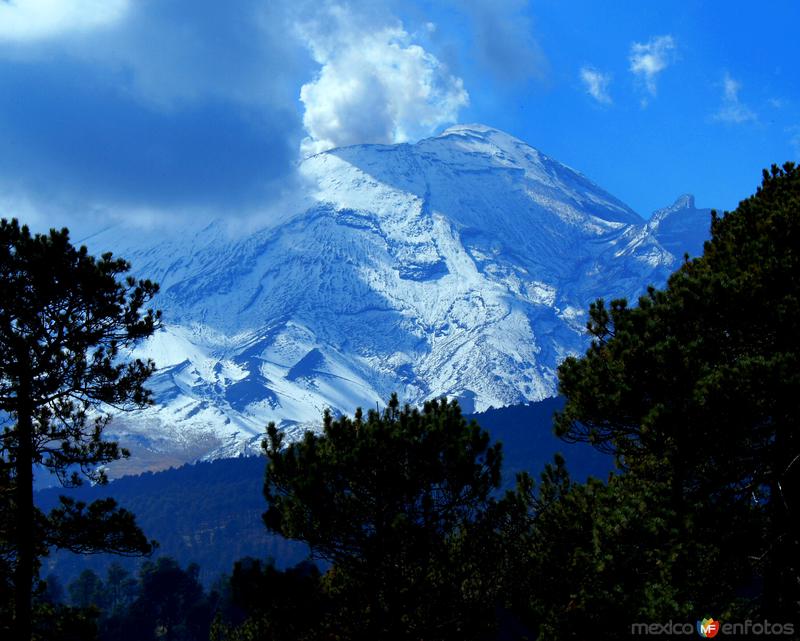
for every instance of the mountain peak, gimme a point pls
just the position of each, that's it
(475, 129)
(684, 201)
(484, 134)
(673, 226)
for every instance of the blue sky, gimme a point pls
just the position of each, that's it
(152, 109)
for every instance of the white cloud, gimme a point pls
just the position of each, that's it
(649, 59)
(31, 20)
(374, 86)
(733, 110)
(596, 84)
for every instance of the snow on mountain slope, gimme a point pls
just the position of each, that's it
(459, 266)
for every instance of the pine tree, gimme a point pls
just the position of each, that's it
(401, 505)
(66, 322)
(697, 389)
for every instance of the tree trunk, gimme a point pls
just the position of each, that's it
(23, 495)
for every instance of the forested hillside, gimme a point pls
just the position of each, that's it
(209, 513)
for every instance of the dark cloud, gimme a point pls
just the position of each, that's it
(177, 51)
(178, 106)
(67, 129)
(195, 106)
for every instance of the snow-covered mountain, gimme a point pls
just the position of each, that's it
(461, 265)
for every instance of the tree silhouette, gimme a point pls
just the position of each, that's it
(66, 322)
(696, 391)
(401, 505)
